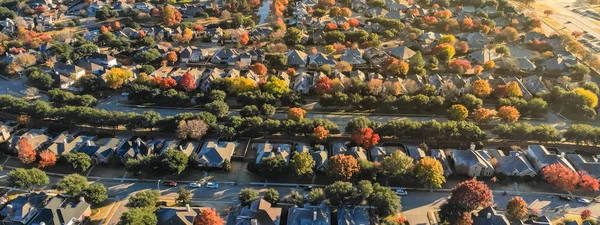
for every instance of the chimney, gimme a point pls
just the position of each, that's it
(562, 154)
(81, 199)
(138, 142)
(11, 212)
(489, 216)
(42, 223)
(253, 222)
(88, 143)
(315, 215)
(278, 149)
(187, 206)
(472, 146)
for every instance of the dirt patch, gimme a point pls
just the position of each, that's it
(100, 212)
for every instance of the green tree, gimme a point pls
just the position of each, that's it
(417, 63)
(396, 164)
(316, 196)
(249, 111)
(79, 161)
(184, 196)
(73, 184)
(27, 178)
(342, 193)
(386, 200)
(144, 199)
(173, 161)
(247, 196)
(268, 110)
(302, 163)
(138, 216)
(296, 198)
(218, 108)
(293, 36)
(365, 188)
(271, 196)
(95, 193)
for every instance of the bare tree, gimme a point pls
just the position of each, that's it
(411, 87)
(449, 90)
(182, 130)
(392, 88)
(31, 92)
(193, 129)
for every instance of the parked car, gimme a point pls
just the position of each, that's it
(212, 185)
(401, 192)
(308, 188)
(565, 198)
(170, 183)
(584, 200)
(195, 185)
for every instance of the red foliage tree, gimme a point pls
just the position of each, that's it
(165, 83)
(586, 214)
(26, 153)
(172, 56)
(187, 82)
(365, 137)
(47, 158)
(259, 69)
(331, 26)
(324, 85)
(244, 38)
(116, 26)
(500, 91)
(459, 65)
(588, 182)
(462, 47)
(473, 194)
(353, 22)
(561, 177)
(199, 28)
(103, 29)
(208, 217)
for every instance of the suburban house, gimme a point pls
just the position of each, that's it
(102, 153)
(225, 56)
(260, 212)
(352, 216)
(176, 215)
(484, 55)
(134, 148)
(515, 164)
(591, 165)
(297, 58)
(378, 153)
(540, 157)
(192, 54)
(302, 83)
(65, 211)
(415, 152)
(90, 67)
(103, 59)
(317, 60)
(534, 84)
(440, 155)
(23, 209)
(321, 159)
(489, 216)
(342, 148)
(189, 147)
(5, 133)
(65, 143)
(474, 163)
(309, 214)
(214, 153)
(68, 70)
(34, 137)
(402, 52)
(268, 150)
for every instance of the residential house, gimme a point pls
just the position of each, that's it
(103, 59)
(297, 58)
(302, 83)
(591, 165)
(44, 19)
(68, 70)
(134, 148)
(353, 57)
(375, 12)
(102, 153)
(283, 75)
(214, 153)
(352, 216)
(309, 214)
(475, 40)
(515, 164)
(169, 144)
(34, 137)
(534, 85)
(225, 56)
(321, 159)
(189, 147)
(558, 64)
(252, 76)
(65, 143)
(317, 60)
(472, 163)
(8, 26)
(402, 52)
(22, 209)
(489, 216)
(60, 210)
(207, 78)
(260, 212)
(359, 75)
(378, 153)
(395, 14)
(440, 155)
(375, 56)
(144, 6)
(437, 81)
(256, 55)
(415, 152)
(540, 157)
(484, 55)
(429, 37)
(176, 215)
(90, 67)
(268, 150)
(192, 54)
(342, 148)
(261, 33)
(524, 64)
(5, 133)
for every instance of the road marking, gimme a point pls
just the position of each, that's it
(123, 178)
(89, 171)
(6, 160)
(110, 215)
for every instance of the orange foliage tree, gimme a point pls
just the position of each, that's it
(353, 22)
(259, 69)
(26, 154)
(481, 88)
(560, 176)
(508, 114)
(187, 82)
(47, 158)
(483, 115)
(365, 137)
(208, 217)
(172, 56)
(513, 90)
(320, 132)
(296, 114)
(171, 16)
(165, 83)
(244, 38)
(588, 182)
(324, 85)
(343, 166)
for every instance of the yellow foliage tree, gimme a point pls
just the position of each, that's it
(430, 173)
(508, 114)
(458, 112)
(481, 88)
(171, 15)
(591, 99)
(513, 90)
(116, 77)
(242, 84)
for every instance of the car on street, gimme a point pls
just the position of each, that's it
(212, 185)
(170, 183)
(308, 188)
(195, 185)
(401, 192)
(565, 198)
(584, 200)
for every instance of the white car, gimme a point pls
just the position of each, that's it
(212, 185)
(195, 185)
(584, 200)
(401, 192)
